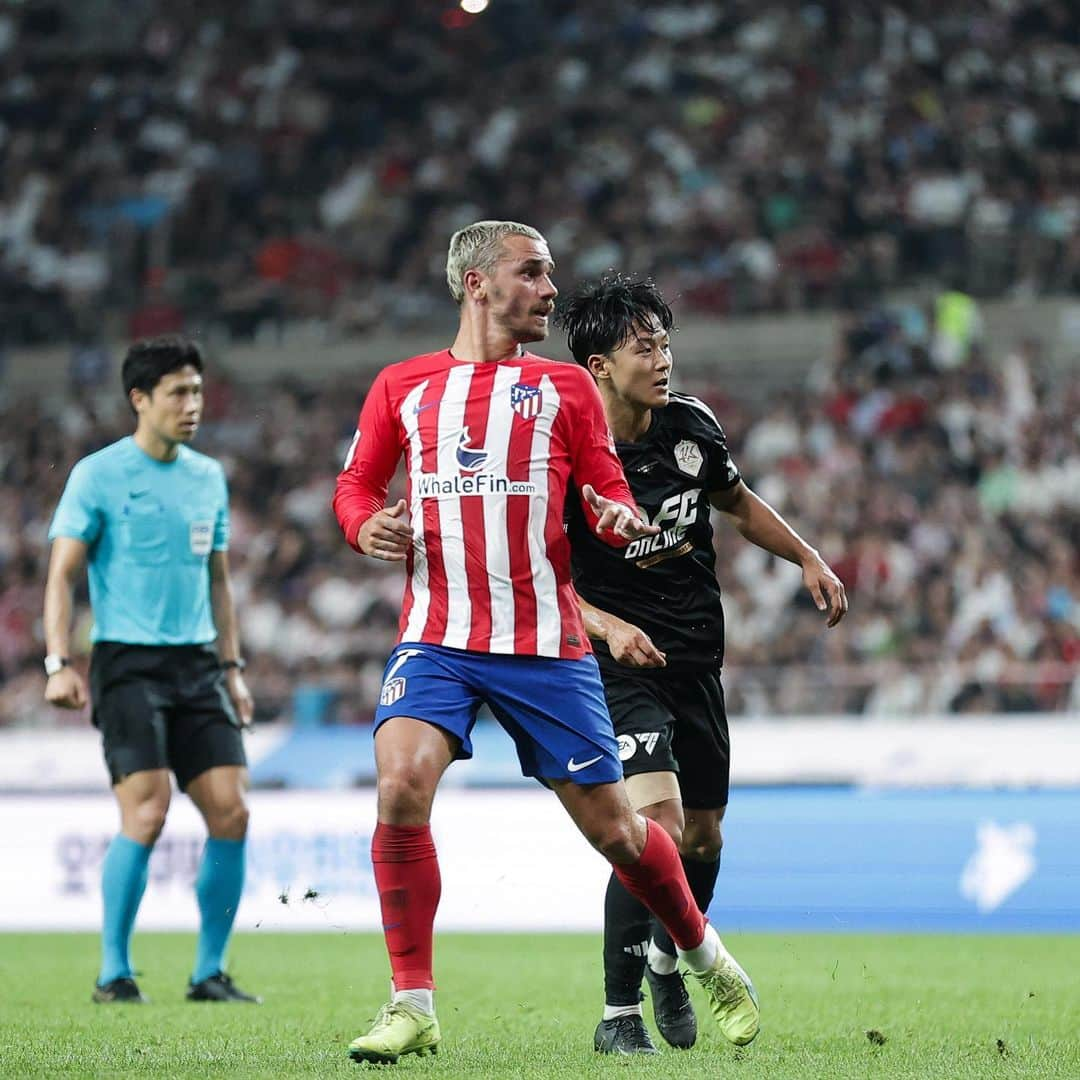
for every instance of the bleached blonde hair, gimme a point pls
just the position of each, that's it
(479, 247)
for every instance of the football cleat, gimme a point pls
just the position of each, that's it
(623, 1035)
(672, 1009)
(399, 1029)
(219, 987)
(732, 997)
(116, 991)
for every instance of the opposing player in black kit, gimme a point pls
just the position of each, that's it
(654, 612)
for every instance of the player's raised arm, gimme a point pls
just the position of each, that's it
(360, 494)
(762, 525)
(605, 495)
(620, 519)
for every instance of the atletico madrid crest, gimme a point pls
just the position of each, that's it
(526, 400)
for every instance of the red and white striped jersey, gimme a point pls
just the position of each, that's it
(490, 451)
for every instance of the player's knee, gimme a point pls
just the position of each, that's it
(403, 796)
(672, 824)
(702, 846)
(229, 822)
(618, 842)
(144, 821)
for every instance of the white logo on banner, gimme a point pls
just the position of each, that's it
(1002, 862)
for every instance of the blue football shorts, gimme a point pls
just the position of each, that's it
(553, 709)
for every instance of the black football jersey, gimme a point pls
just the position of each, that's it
(666, 584)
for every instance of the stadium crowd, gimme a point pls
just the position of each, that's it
(248, 168)
(941, 480)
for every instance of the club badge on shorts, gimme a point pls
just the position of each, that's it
(393, 690)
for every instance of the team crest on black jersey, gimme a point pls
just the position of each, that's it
(688, 457)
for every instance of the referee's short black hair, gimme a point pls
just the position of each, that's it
(149, 360)
(600, 317)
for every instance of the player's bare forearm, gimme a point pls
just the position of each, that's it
(596, 622)
(627, 643)
(66, 562)
(762, 525)
(224, 610)
(65, 687)
(759, 523)
(228, 642)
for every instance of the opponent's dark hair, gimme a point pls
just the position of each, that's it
(600, 317)
(149, 360)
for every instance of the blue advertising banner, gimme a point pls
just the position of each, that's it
(845, 859)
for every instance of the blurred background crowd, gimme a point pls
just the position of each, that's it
(275, 171)
(945, 495)
(247, 168)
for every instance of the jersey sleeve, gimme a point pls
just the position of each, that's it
(721, 473)
(221, 519)
(369, 464)
(79, 513)
(592, 449)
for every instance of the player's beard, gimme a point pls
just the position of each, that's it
(519, 324)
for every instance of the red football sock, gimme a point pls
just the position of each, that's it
(409, 884)
(658, 880)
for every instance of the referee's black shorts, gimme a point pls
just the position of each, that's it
(163, 707)
(672, 721)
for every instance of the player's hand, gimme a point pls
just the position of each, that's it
(630, 645)
(66, 689)
(386, 534)
(826, 589)
(621, 519)
(241, 697)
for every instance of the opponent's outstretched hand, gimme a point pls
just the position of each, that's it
(621, 519)
(387, 534)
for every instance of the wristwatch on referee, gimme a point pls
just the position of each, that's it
(237, 663)
(54, 662)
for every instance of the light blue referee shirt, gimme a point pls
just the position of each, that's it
(149, 527)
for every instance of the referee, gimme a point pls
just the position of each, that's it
(149, 519)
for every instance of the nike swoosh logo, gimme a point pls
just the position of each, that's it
(576, 766)
(423, 408)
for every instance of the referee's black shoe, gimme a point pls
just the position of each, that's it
(219, 987)
(118, 991)
(672, 1009)
(623, 1035)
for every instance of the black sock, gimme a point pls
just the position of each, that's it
(702, 879)
(626, 936)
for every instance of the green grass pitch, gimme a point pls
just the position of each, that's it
(863, 1006)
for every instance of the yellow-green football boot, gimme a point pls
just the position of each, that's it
(732, 997)
(398, 1030)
